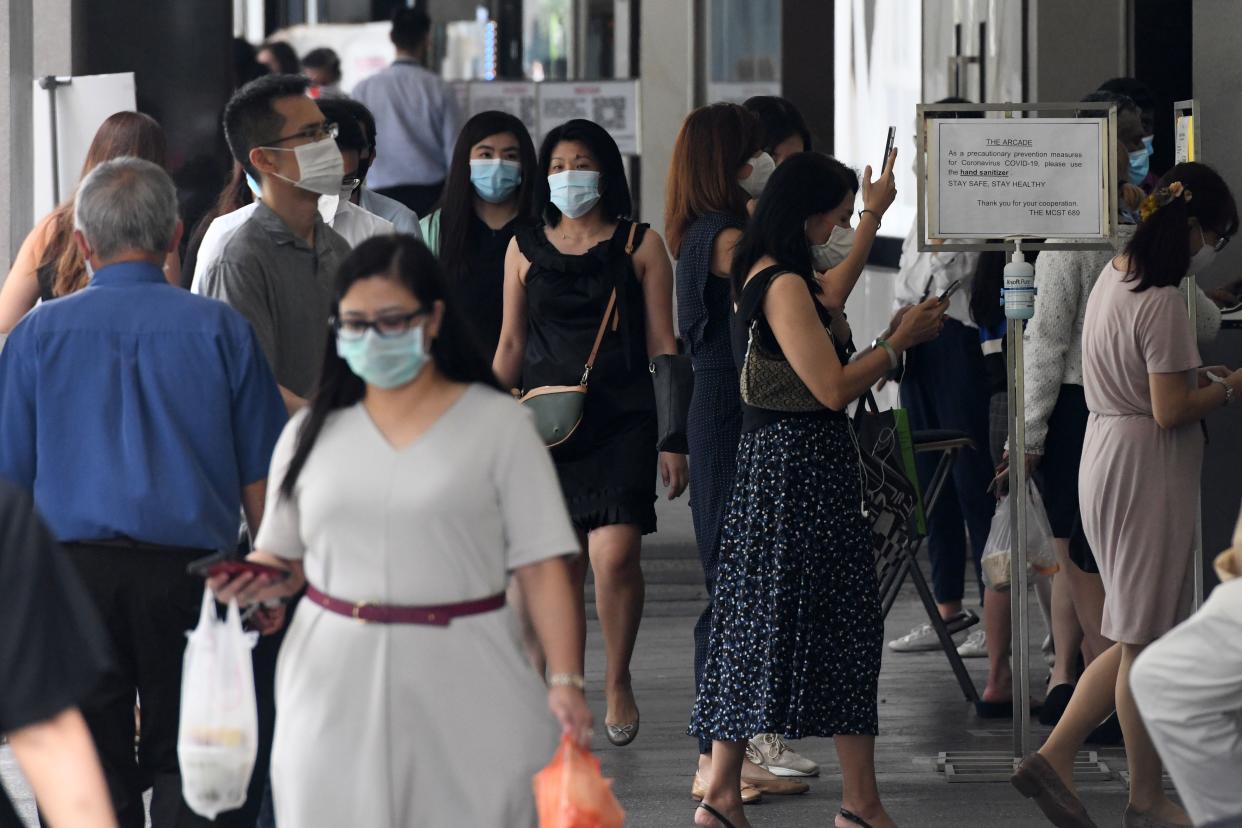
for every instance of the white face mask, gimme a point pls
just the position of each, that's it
(320, 167)
(832, 252)
(1202, 259)
(761, 167)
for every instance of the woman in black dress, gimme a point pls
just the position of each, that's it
(487, 196)
(558, 280)
(796, 633)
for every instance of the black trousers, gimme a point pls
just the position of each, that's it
(420, 198)
(945, 387)
(147, 602)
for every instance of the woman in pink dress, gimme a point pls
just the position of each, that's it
(1139, 476)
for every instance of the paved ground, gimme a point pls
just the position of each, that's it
(921, 713)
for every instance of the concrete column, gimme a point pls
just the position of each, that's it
(1076, 46)
(667, 68)
(1217, 78)
(16, 75)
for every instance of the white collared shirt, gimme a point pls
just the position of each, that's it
(942, 269)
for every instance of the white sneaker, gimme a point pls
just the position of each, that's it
(975, 645)
(919, 639)
(768, 750)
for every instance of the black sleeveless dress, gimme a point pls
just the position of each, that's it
(607, 468)
(796, 630)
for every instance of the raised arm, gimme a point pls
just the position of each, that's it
(790, 311)
(838, 283)
(511, 350)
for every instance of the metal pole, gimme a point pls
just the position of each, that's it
(1019, 278)
(1192, 308)
(51, 83)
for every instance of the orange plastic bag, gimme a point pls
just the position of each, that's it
(572, 793)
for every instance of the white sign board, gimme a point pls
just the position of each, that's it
(729, 92)
(364, 48)
(1033, 177)
(81, 106)
(516, 98)
(611, 104)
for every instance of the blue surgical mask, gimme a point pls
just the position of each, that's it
(254, 186)
(1140, 165)
(495, 179)
(384, 361)
(574, 192)
(1149, 141)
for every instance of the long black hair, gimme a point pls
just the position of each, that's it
(1159, 251)
(457, 202)
(408, 262)
(781, 120)
(613, 186)
(808, 183)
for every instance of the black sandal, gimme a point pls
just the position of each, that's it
(724, 822)
(850, 816)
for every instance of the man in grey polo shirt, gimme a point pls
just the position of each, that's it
(278, 268)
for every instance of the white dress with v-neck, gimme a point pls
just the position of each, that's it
(401, 724)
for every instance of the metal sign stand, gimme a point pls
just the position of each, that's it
(1019, 300)
(1191, 153)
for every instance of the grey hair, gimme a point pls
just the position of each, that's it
(126, 204)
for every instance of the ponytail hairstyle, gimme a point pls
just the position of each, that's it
(410, 264)
(1159, 251)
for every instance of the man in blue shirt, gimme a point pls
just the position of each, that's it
(416, 116)
(142, 418)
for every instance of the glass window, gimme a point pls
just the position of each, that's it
(547, 29)
(743, 49)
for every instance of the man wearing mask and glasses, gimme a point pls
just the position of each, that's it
(286, 145)
(353, 223)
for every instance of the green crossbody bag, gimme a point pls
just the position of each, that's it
(558, 408)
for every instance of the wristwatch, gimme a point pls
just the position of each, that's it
(1229, 392)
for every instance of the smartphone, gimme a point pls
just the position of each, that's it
(888, 147)
(950, 290)
(223, 563)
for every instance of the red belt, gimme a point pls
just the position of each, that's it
(436, 615)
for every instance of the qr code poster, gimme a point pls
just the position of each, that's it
(518, 99)
(611, 104)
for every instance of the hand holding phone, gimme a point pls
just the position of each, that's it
(223, 563)
(888, 149)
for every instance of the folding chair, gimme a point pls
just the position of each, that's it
(895, 563)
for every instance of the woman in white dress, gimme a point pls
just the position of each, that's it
(404, 497)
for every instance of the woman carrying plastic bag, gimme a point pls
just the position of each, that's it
(218, 738)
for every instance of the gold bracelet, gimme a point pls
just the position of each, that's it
(567, 680)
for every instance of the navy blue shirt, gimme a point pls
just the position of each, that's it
(136, 409)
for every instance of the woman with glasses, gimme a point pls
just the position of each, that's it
(405, 541)
(1139, 477)
(487, 196)
(590, 263)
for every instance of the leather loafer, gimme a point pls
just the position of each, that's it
(750, 794)
(1036, 779)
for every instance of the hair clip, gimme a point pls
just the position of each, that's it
(1163, 196)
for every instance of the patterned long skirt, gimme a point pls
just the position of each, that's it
(796, 631)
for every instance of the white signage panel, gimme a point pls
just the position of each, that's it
(1185, 148)
(81, 106)
(517, 98)
(1032, 177)
(611, 104)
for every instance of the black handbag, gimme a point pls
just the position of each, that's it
(672, 377)
(889, 497)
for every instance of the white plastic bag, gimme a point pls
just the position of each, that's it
(219, 733)
(1040, 556)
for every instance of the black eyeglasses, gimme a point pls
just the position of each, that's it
(315, 133)
(389, 325)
